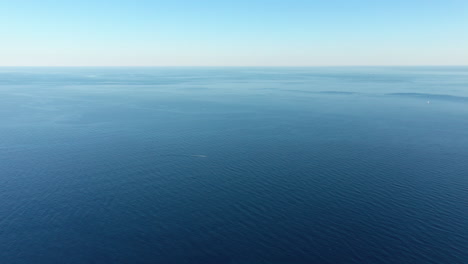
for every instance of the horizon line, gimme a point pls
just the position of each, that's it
(230, 66)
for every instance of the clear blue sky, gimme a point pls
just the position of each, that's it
(234, 32)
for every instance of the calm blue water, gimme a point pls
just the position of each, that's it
(234, 165)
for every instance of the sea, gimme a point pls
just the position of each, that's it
(234, 165)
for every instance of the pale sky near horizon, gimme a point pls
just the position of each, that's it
(233, 33)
